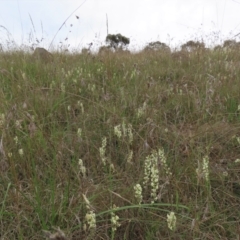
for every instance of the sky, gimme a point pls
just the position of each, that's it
(73, 24)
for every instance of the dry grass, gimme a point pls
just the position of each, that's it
(52, 115)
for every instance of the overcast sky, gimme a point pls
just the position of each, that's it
(171, 21)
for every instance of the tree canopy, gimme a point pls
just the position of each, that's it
(156, 46)
(193, 45)
(117, 41)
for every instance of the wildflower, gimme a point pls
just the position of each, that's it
(138, 193)
(205, 169)
(80, 104)
(129, 158)
(154, 183)
(112, 168)
(117, 131)
(79, 132)
(18, 124)
(237, 160)
(91, 87)
(24, 76)
(102, 150)
(141, 110)
(147, 172)
(15, 139)
(91, 219)
(163, 161)
(151, 174)
(82, 167)
(171, 220)
(125, 131)
(114, 220)
(69, 108)
(20, 151)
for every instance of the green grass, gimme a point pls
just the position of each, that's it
(185, 104)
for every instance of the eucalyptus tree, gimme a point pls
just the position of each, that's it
(117, 41)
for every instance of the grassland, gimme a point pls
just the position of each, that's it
(107, 146)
